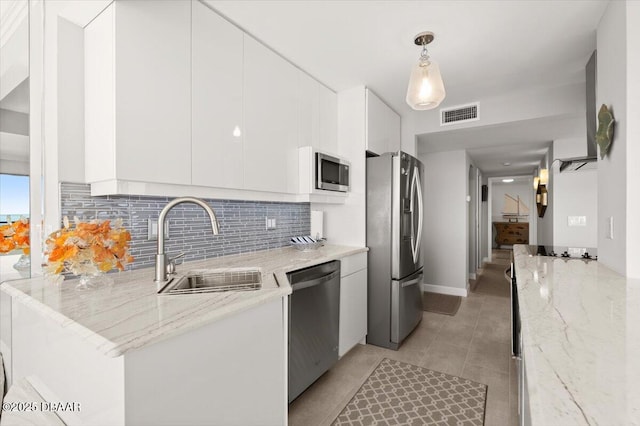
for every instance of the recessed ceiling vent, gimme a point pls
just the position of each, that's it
(460, 114)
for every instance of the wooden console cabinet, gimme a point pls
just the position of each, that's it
(509, 233)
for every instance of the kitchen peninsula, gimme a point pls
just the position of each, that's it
(131, 356)
(580, 341)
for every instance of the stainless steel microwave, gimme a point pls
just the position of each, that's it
(332, 173)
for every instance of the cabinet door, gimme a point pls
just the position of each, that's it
(353, 310)
(328, 111)
(216, 144)
(271, 120)
(153, 91)
(99, 97)
(383, 126)
(317, 115)
(308, 111)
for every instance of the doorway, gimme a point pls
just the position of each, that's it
(511, 199)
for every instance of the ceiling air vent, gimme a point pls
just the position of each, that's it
(460, 114)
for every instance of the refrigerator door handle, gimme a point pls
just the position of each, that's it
(420, 215)
(416, 236)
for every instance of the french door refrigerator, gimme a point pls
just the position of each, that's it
(394, 233)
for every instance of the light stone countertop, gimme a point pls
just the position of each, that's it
(130, 314)
(581, 338)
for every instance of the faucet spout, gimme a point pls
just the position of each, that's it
(161, 257)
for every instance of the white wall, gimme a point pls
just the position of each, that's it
(633, 136)
(408, 135)
(446, 232)
(346, 224)
(576, 194)
(14, 57)
(612, 171)
(70, 102)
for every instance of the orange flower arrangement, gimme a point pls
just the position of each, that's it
(14, 236)
(88, 249)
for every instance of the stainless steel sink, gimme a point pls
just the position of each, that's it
(215, 280)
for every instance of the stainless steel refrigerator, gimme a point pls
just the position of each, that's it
(394, 233)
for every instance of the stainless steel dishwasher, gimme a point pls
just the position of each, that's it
(314, 311)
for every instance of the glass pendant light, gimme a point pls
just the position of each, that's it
(426, 89)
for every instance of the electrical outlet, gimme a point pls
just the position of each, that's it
(270, 223)
(152, 229)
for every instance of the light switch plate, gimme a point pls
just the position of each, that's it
(610, 228)
(577, 221)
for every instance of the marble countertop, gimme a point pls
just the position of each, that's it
(129, 314)
(581, 341)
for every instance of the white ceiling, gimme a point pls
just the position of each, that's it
(481, 46)
(18, 99)
(14, 147)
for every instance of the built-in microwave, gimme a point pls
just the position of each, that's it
(332, 173)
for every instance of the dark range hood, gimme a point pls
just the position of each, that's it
(590, 161)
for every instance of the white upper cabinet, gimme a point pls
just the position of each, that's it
(179, 97)
(308, 110)
(328, 119)
(217, 126)
(138, 92)
(383, 126)
(271, 120)
(318, 115)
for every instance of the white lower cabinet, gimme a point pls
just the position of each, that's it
(524, 414)
(229, 372)
(353, 302)
(5, 336)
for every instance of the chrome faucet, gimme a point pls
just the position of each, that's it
(162, 267)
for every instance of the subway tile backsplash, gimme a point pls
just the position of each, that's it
(242, 223)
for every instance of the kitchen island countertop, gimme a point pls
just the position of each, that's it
(581, 340)
(129, 314)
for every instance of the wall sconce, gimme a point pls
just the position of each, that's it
(542, 195)
(544, 177)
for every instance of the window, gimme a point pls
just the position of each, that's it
(14, 197)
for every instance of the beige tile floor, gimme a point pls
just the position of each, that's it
(473, 344)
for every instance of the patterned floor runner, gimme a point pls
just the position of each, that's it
(397, 393)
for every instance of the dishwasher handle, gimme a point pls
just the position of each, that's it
(305, 284)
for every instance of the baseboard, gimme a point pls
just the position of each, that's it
(444, 289)
(472, 276)
(486, 260)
